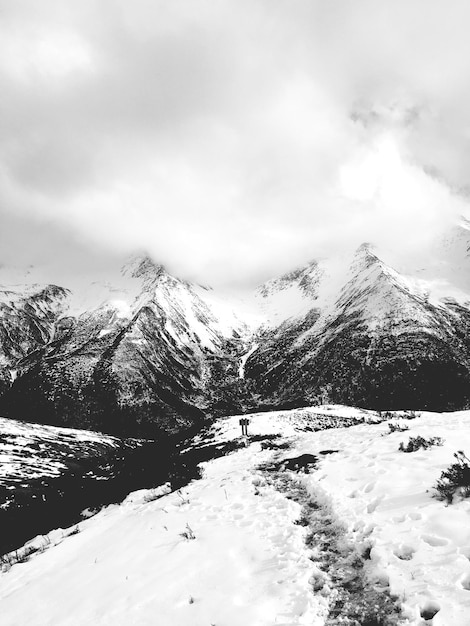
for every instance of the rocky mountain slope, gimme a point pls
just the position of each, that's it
(367, 335)
(141, 359)
(27, 318)
(148, 353)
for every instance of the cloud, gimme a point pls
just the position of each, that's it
(232, 140)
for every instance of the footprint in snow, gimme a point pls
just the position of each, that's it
(465, 582)
(381, 578)
(434, 541)
(429, 610)
(369, 529)
(404, 552)
(374, 504)
(368, 488)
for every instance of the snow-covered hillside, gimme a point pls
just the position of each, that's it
(293, 526)
(36, 451)
(48, 475)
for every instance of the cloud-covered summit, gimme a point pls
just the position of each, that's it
(234, 139)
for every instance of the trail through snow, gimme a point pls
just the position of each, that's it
(231, 549)
(131, 564)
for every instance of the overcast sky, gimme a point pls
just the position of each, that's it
(232, 139)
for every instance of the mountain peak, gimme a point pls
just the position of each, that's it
(142, 266)
(366, 250)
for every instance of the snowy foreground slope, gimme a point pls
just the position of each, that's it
(255, 542)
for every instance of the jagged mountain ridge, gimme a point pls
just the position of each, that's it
(134, 364)
(27, 319)
(379, 338)
(149, 353)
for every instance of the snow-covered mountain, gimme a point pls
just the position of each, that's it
(27, 318)
(135, 357)
(364, 333)
(146, 352)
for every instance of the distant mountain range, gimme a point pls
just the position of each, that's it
(149, 353)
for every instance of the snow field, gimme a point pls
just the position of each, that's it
(131, 564)
(226, 550)
(420, 548)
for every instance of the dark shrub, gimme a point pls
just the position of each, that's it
(418, 443)
(455, 480)
(397, 428)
